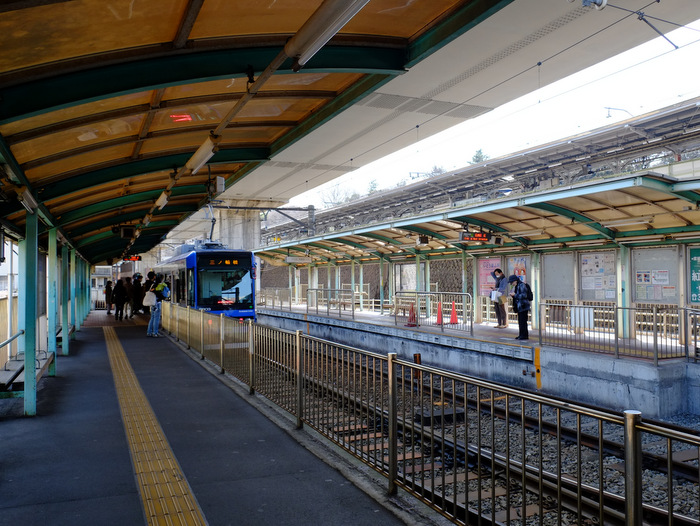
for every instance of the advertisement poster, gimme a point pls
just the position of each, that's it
(486, 282)
(519, 265)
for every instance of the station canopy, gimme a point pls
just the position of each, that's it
(121, 119)
(634, 184)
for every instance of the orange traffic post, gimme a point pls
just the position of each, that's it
(412, 318)
(453, 315)
(439, 314)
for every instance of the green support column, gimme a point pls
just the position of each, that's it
(419, 275)
(624, 292)
(29, 269)
(79, 293)
(427, 288)
(464, 272)
(535, 272)
(392, 282)
(362, 286)
(381, 285)
(73, 289)
(65, 295)
(52, 278)
(21, 287)
(352, 280)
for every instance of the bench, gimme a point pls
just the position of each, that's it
(59, 333)
(12, 374)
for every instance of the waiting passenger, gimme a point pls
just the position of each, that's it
(521, 305)
(499, 304)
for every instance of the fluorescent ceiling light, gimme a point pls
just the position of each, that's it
(627, 221)
(205, 152)
(27, 200)
(163, 200)
(323, 24)
(524, 233)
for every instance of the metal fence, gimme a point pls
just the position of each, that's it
(473, 450)
(276, 298)
(340, 302)
(652, 332)
(434, 309)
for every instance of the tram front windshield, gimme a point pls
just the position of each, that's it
(221, 289)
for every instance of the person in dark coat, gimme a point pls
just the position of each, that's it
(521, 305)
(119, 297)
(138, 293)
(108, 297)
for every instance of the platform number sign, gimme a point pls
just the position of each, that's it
(695, 275)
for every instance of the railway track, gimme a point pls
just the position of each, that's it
(482, 453)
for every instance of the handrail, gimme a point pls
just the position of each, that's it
(12, 338)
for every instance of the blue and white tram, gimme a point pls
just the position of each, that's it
(213, 278)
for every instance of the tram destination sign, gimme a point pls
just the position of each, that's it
(298, 259)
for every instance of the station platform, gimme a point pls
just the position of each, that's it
(133, 430)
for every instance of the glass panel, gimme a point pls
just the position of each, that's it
(225, 289)
(78, 162)
(80, 137)
(336, 82)
(60, 31)
(252, 17)
(75, 112)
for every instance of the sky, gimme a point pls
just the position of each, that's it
(648, 77)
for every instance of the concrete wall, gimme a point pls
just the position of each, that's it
(589, 378)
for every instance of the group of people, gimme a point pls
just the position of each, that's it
(129, 294)
(520, 295)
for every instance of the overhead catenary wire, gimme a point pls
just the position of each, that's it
(519, 74)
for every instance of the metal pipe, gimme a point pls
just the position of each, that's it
(393, 427)
(633, 468)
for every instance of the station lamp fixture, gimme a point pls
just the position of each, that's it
(323, 24)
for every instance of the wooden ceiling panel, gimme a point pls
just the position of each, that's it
(65, 30)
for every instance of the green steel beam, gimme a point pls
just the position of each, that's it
(382, 238)
(52, 92)
(668, 188)
(147, 198)
(423, 231)
(576, 216)
(131, 168)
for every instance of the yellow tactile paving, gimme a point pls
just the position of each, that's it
(166, 495)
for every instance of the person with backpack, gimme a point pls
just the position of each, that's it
(522, 296)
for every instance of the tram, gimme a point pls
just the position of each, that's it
(213, 278)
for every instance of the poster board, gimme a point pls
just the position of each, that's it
(486, 281)
(655, 275)
(598, 276)
(518, 265)
(558, 276)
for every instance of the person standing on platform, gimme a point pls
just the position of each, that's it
(129, 297)
(108, 297)
(154, 322)
(119, 298)
(146, 287)
(500, 305)
(138, 294)
(521, 305)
